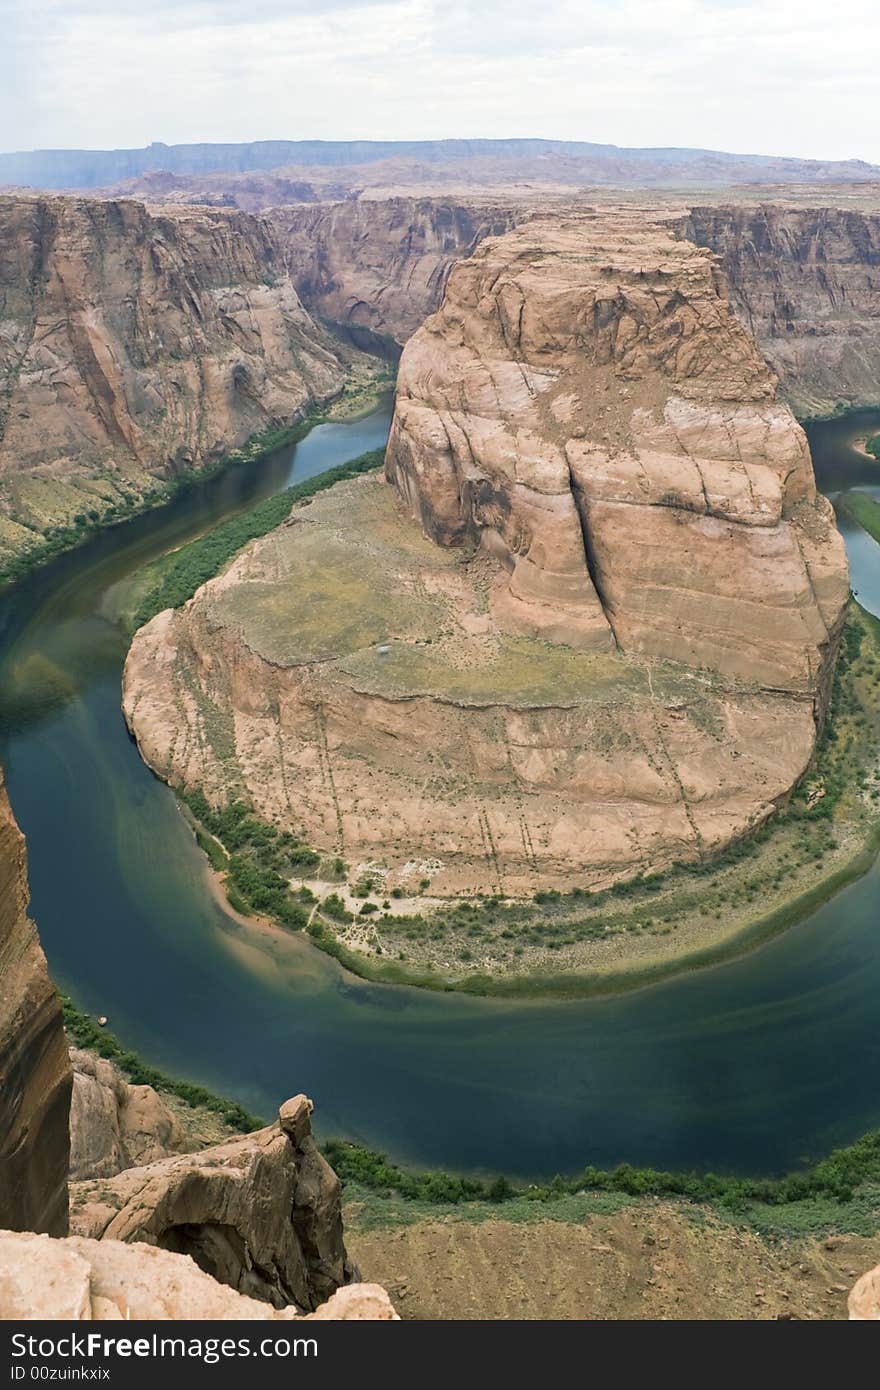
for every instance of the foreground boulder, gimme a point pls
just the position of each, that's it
(864, 1300)
(77, 1279)
(261, 1214)
(35, 1076)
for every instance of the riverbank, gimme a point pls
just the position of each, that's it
(840, 1192)
(361, 394)
(580, 944)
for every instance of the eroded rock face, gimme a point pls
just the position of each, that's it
(79, 1279)
(805, 281)
(115, 1125)
(506, 761)
(35, 1077)
(382, 265)
(606, 642)
(134, 344)
(261, 1214)
(586, 405)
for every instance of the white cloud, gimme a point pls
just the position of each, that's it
(783, 76)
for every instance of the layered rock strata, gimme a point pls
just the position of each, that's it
(261, 1214)
(77, 1279)
(382, 264)
(135, 344)
(806, 281)
(586, 405)
(35, 1078)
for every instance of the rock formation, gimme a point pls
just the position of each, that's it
(586, 405)
(864, 1300)
(617, 654)
(35, 1076)
(100, 1281)
(114, 1125)
(806, 283)
(382, 265)
(261, 1214)
(134, 344)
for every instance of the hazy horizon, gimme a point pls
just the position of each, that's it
(439, 139)
(776, 78)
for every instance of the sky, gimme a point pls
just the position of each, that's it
(795, 77)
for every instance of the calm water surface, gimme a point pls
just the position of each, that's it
(753, 1066)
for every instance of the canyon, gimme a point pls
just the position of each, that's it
(585, 627)
(135, 347)
(616, 593)
(139, 343)
(169, 1233)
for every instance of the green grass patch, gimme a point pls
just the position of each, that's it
(181, 573)
(863, 509)
(841, 1192)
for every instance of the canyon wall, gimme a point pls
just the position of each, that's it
(382, 265)
(137, 344)
(806, 281)
(35, 1078)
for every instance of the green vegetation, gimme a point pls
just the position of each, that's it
(872, 446)
(66, 536)
(840, 1192)
(85, 1032)
(862, 508)
(257, 858)
(178, 575)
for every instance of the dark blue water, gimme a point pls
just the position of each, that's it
(752, 1066)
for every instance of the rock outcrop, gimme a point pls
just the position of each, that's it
(115, 1125)
(382, 265)
(35, 1077)
(261, 1214)
(586, 405)
(135, 344)
(864, 1300)
(807, 284)
(354, 681)
(101, 1281)
(604, 645)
